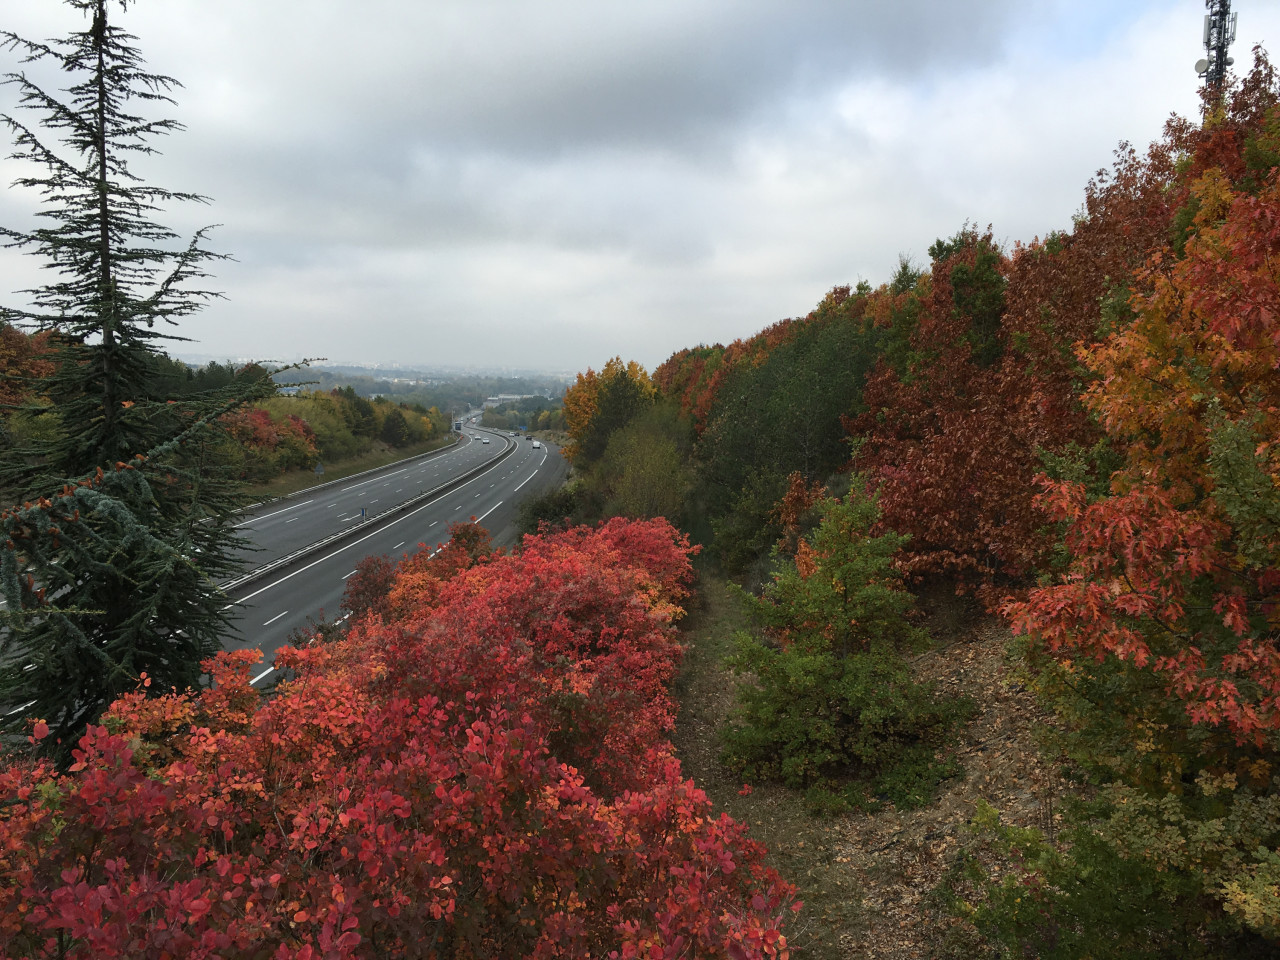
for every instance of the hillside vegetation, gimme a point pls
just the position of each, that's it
(1081, 434)
(1084, 433)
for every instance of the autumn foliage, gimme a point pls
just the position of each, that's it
(1161, 637)
(1096, 412)
(423, 788)
(597, 404)
(23, 362)
(1176, 571)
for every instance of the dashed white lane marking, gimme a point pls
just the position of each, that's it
(347, 575)
(278, 616)
(276, 514)
(376, 479)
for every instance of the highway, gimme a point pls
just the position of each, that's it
(268, 609)
(280, 527)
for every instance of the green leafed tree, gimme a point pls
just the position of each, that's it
(829, 703)
(395, 429)
(107, 565)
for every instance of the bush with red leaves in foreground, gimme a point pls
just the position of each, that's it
(483, 774)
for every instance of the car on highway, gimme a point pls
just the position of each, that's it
(537, 445)
(484, 440)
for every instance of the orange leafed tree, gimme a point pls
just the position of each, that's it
(599, 403)
(1165, 631)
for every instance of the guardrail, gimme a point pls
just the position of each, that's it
(368, 523)
(363, 473)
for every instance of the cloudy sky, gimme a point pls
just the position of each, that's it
(543, 184)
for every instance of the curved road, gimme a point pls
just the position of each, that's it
(280, 527)
(269, 609)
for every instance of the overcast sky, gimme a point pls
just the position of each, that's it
(543, 184)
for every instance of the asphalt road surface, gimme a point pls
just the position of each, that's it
(268, 610)
(283, 526)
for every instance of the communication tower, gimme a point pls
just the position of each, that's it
(1219, 33)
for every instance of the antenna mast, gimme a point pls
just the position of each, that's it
(1219, 33)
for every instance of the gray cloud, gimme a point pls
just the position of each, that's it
(548, 184)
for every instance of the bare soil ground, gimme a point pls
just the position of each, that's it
(868, 879)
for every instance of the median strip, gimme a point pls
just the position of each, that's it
(373, 520)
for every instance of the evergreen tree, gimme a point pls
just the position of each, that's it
(395, 429)
(107, 567)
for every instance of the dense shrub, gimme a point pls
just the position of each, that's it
(409, 792)
(1082, 897)
(828, 700)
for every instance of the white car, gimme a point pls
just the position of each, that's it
(484, 440)
(537, 445)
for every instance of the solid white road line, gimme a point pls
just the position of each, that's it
(277, 617)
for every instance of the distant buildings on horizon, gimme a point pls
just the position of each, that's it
(425, 373)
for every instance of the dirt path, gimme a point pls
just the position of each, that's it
(899, 858)
(868, 879)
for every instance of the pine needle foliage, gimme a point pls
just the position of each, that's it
(828, 703)
(128, 519)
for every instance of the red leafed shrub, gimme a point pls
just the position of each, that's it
(405, 794)
(951, 440)
(23, 362)
(800, 498)
(578, 627)
(269, 446)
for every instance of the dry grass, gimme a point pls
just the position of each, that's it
(866, 879)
